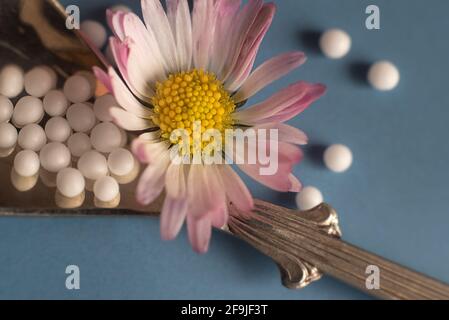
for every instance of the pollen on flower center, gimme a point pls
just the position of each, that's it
(189, 99)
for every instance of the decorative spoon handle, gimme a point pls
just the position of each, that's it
(307, 245)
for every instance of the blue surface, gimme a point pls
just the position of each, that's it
(393, 201)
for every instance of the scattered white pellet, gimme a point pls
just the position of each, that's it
(102, 106)
(93, 165)
(106, 189)
(8, 135)
(58, 129)
(78, 89)
(335, 43)
(39, 81)
(384, 76)
(28, 110)
(79, 144)
(81, 117)
(26, 163)
(95, 31)
(6, 109)
(32, 137)
(70, 182)
(121, 162)
(309, 198)
(11, 81)
(55, 103)
(106, 137)
(338, 158)
(54, 157)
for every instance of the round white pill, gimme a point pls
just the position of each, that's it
(335, 43)
(8, 135)
(39, 81)
(28, 110)
(26, 163)
(54, 157)
(11, 80)
(70, 182)
(78, 89)
(32, 137)
(93, 165)
(55, 103)
(106, 137)
(338, 158)
(121, 162)
(95, 32)
(106, 189)
(309, 198)
(384, 76)
(81, 117)
(79, 144)
(6, 109)
(120, 7)
(58, 129)
(102, 106)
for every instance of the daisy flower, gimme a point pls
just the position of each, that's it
(179, 68)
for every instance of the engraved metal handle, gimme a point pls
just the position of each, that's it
(308, 244)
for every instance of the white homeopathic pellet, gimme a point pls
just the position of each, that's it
(11, 80)
(32, 137)
(26, 163)
(6, 109)
(81, 117)
(338, 158)
(95, 31)
(309, 198)
(384, 76)
(121, 162)
(70, 182)
(102, 106)
(335, 43)
(106, 189)
(39, 81)
(79, 144)
(8, 135)
(78, 89)
(58, 129)
(55, 103)
(28, 110)
(54, 157)
(106, 137)
(93, 165)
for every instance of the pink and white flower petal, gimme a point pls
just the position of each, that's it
(147, 151)
(239, 33)
(181, 25)
(115, 21)
(103, 77)
(236, 190)
(286, 133)
(282, 106)
(174, 212)
(227, 11)
(269, 72)
(157, 23)
(205, 190)
(200, 232)
(129, 121)
(249, 50)
(152, 181)
(203, 30)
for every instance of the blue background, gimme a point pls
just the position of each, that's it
(393, 201)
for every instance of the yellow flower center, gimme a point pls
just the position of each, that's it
(193, 101)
